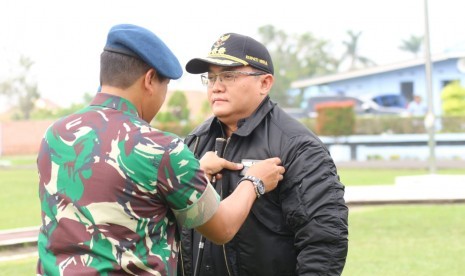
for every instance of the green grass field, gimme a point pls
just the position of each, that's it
(407, 240)
(19, 199)
(384, 241)
(23, 267)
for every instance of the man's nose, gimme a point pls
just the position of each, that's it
(216, 82)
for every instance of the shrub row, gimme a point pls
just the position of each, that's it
(369, 125)
(336, 122)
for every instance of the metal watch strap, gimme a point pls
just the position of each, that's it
(255, 181)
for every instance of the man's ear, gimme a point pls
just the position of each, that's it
(267, 83)
(149, 77)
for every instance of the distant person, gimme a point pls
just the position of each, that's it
(301, 227)
(416, 107)
(113, 189)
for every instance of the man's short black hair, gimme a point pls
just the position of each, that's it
(120, 70)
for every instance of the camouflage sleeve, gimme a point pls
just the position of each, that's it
(201, 211)
(182, 183)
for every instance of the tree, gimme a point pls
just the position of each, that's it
(453, 99)
(22, 89)
(41, 113)
(294, 57)
(177, 109)
(205, 112)
(412, 45)
(351, 53)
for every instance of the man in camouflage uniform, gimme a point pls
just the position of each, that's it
(113, 189)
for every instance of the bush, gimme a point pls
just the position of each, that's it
(388, 124)
(370, 125)
(453, 99)
(335, 118)
(453, 124)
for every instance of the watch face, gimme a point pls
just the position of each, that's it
(261, 188)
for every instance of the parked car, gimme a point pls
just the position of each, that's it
(362, 106)
(390, 100)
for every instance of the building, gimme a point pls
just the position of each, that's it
(405, 78)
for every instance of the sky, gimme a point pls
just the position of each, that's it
(65, 38)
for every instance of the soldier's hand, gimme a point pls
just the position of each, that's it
(269, 171)
(212, 165)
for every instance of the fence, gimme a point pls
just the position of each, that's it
(22, 137)
(395, 146)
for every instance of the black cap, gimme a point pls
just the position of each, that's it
(234, 50)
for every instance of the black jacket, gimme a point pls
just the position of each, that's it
(301, 227)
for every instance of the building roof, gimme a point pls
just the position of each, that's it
(372, 70)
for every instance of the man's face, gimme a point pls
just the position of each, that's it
(233, 93)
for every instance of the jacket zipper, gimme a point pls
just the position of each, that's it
(182, 259)
(224, 247)
(221, 195)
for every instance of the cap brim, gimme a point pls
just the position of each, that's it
(200, 65)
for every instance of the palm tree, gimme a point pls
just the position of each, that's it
(352, 54)
(412, 45)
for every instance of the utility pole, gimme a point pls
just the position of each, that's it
(429, 118)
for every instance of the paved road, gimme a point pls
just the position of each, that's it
(18, 236)
(410, 189)
(403, 164)
(19, 243)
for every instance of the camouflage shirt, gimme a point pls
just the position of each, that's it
(112, 191)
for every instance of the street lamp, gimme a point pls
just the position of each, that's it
(429, 118)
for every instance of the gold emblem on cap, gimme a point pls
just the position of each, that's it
(217, 49)
(221, 41)
(219, 56)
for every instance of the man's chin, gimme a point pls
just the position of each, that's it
(220, 111)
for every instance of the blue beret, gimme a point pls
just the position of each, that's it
(141, 43)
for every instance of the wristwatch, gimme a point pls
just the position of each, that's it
(257, 184)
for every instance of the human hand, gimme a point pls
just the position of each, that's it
(212, 165)
(269, 171)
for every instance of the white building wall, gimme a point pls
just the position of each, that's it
(390, 82)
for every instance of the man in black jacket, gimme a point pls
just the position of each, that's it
(301, 227)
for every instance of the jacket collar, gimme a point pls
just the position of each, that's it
(245, 126)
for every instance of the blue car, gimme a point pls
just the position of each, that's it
(390, 100)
